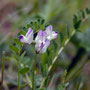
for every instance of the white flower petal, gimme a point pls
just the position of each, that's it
(29, 32)
(49, 29)
(43, 50)
(22, 39)
(28, 38)
(51, 34)
(41, 42)
(37, 47)
(41, 36)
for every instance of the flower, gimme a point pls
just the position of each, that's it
(28, 38)
(51, 34)
(41, 42)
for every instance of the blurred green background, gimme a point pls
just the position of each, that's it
(15, 14)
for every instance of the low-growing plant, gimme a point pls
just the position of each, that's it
(41, 36)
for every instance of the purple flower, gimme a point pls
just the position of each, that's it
(51, 34)
(41, 42)
(28, 38)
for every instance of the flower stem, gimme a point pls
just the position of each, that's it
(18, 74)
(18, 63)
(2, 69)
(33, 74)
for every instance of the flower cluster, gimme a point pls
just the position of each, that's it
(42, 40)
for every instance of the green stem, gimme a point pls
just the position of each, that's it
(18, 74)
(33, 74)
(43, 82)
(18, 63)
(29, 81)
(3, 69)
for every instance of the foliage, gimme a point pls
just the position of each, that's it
(47, 64)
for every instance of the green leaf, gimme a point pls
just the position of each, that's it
(44, 58)
(55, 45)
(16, 40)
(47, 25)
(42, 21)
(36, 25)
(42, 27)
(22, 55)
(38, 80)
(14, 48)
(79, 18)
(32, 23)
(27, 61)
(83, 14)
(61, 37)
(25, 29)
(10, 58)
(42, 69)
(24, 70)
(68, 31)
(87, 11)
(18, 35)
(46, 82)
(22, 32)
(84, 39)
(41, 89)
(75, 19)
(66, 85)
(38, 20)
(48, 52)
(24, 85)
(76, 22)
(28, 25)
(45, 70)
(77, 25)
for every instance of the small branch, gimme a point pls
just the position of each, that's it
(43, 82)
(33, 74)
(54, 60)
(29, 81)
(18, 63)
(18, 74)
(60, 50)
(3, 64)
